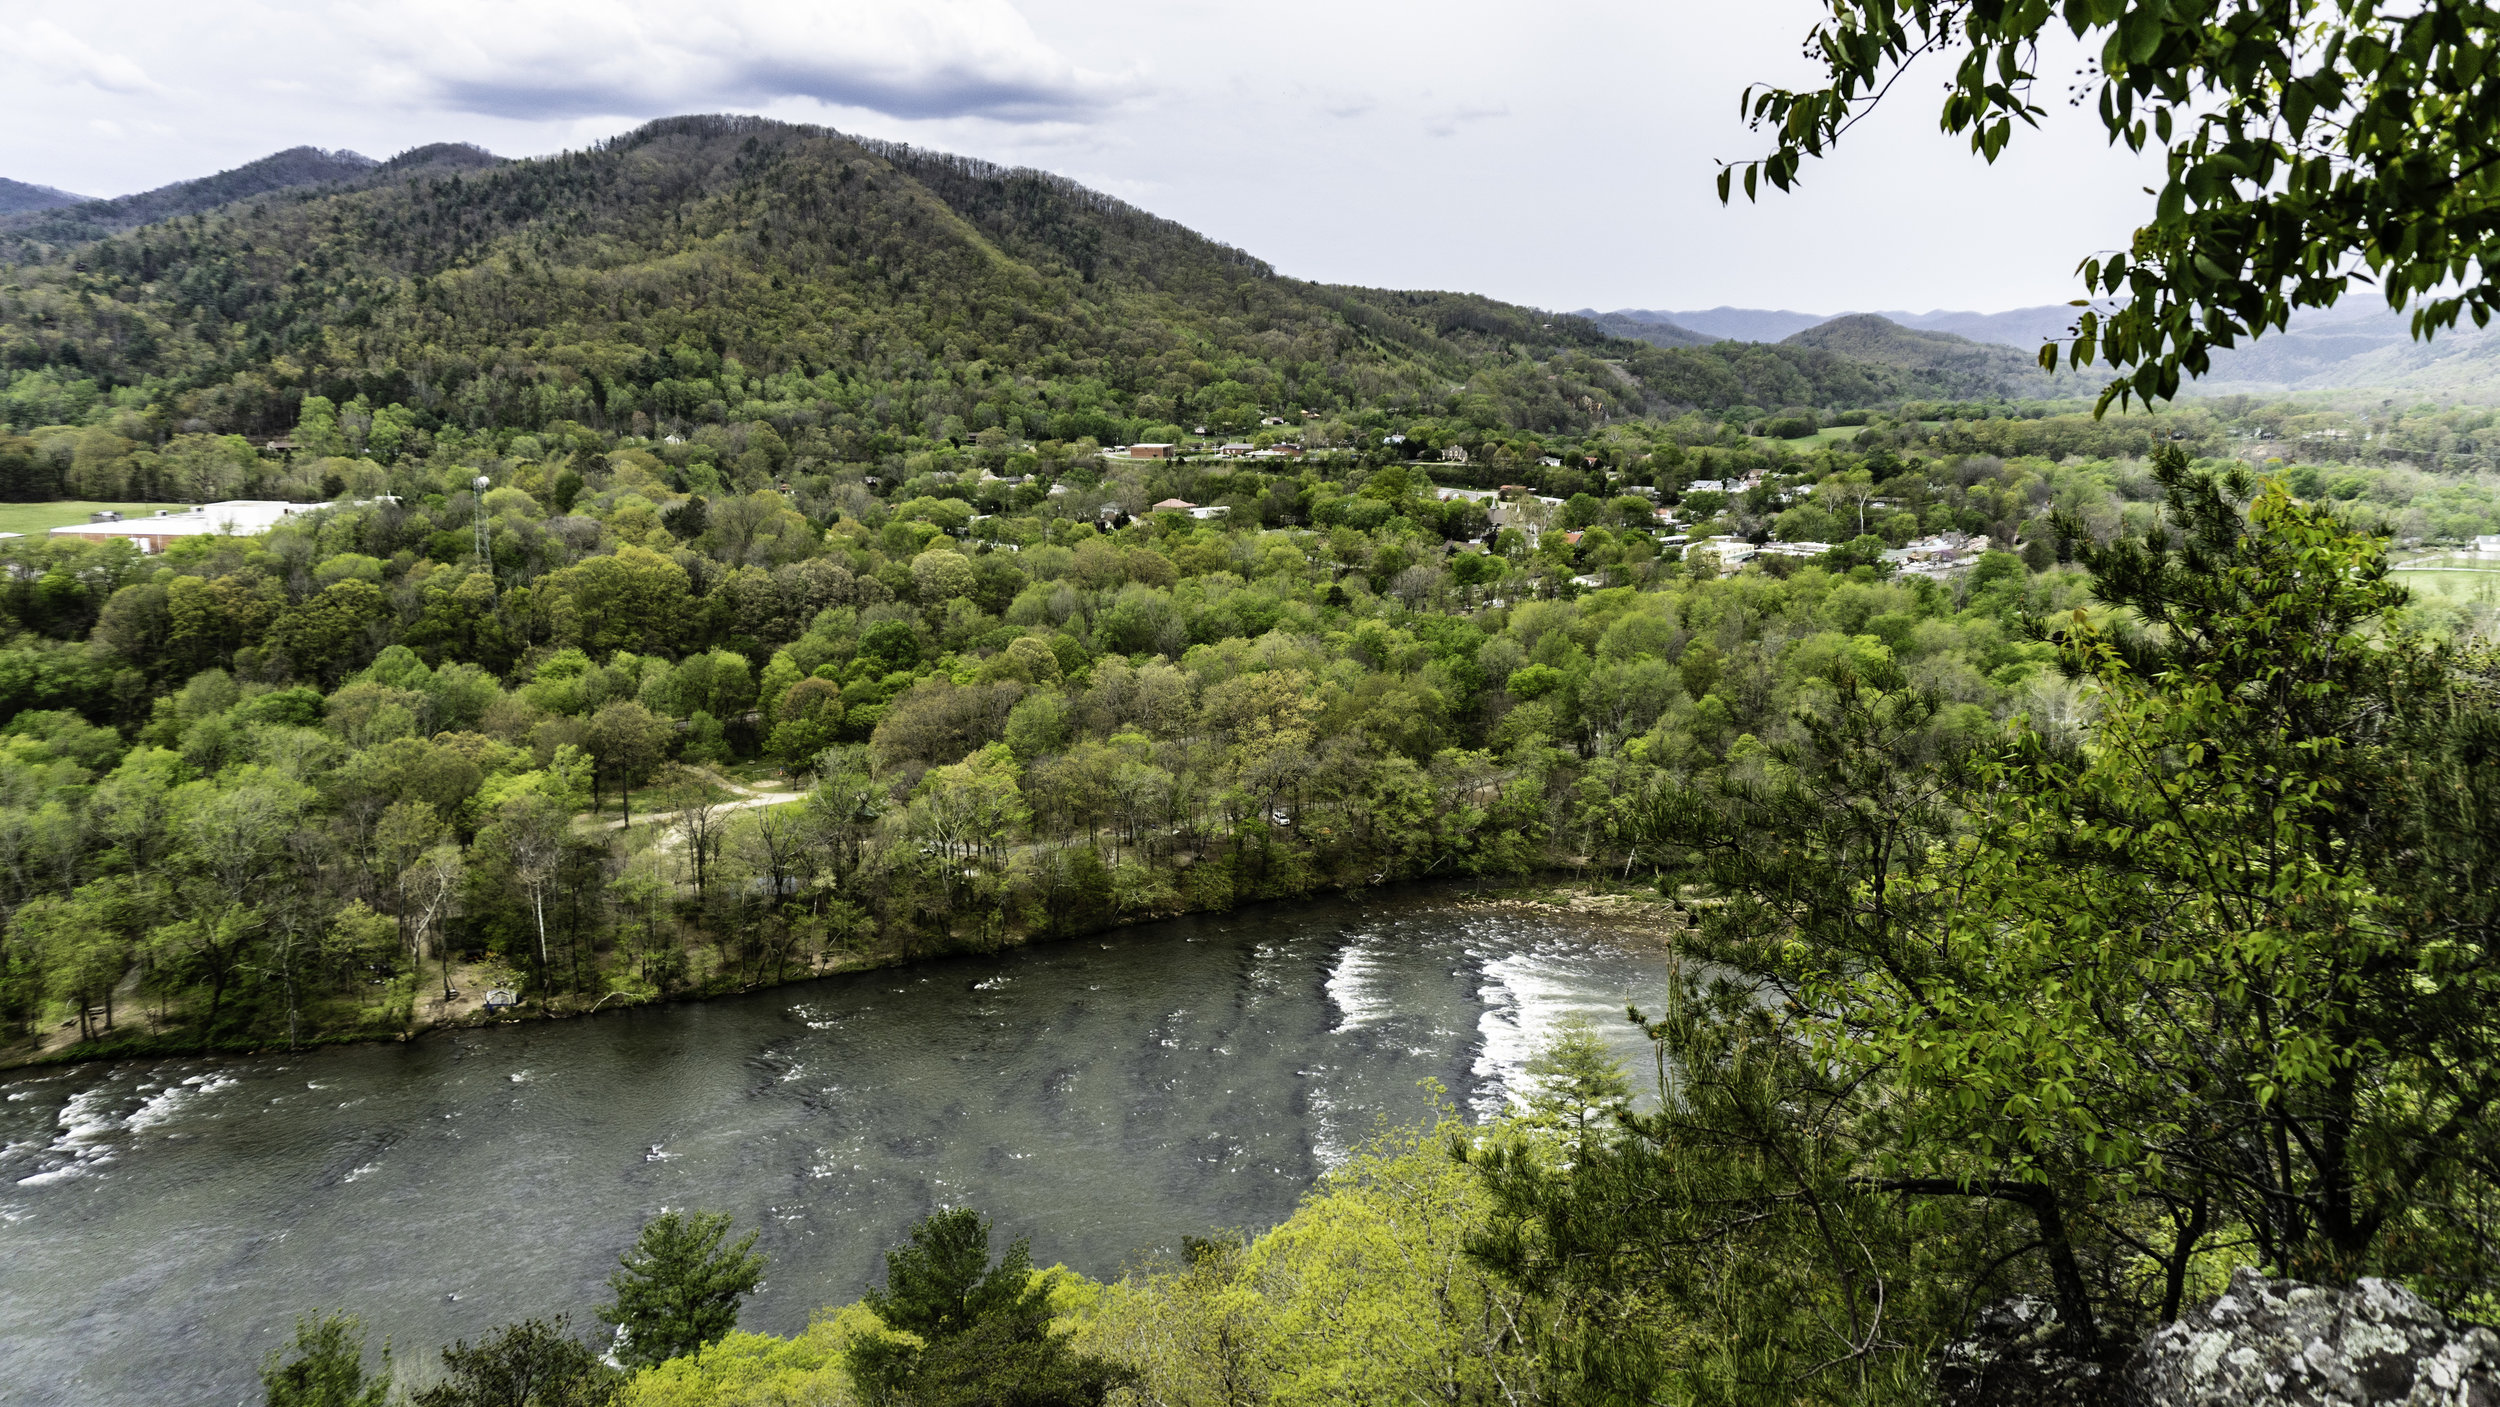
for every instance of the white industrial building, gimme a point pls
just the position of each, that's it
(240, 517)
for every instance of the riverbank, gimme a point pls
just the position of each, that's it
(1629, 908)
(1106, 1096)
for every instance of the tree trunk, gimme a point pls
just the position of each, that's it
(538, 907)
(2074, 1297)
(2174, 1287)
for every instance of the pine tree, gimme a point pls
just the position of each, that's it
(985, 1331)
(679, 1289)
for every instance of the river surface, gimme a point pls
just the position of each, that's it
(163, 1222)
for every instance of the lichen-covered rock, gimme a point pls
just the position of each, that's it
(2280, 1343)
(2019, 1355)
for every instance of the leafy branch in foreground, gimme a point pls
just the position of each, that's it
(2310, 145)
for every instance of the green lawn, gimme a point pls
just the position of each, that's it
(1824, 438)
(2481, 582)
(34, 518)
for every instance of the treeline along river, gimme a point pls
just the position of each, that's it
(163, 1222)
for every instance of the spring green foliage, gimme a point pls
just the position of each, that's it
(760, 1370)
(2095, 1008)
(679, 1288)
(2310, 146)
(326, 1367)
(284, 789)
(1365, 1295)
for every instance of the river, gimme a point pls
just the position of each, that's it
(163, 1222)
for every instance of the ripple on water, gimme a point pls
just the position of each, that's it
(1140, 1089)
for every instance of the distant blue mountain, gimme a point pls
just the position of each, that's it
(2025, 328)
(2356, 344)
(1732, 324)
(18, 196)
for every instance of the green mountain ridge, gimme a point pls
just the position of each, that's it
(26, 230)
(1657, 333)
(1970, 369)
(722, 269)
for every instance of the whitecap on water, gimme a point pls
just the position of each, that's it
(162, 1106)
(86, 1121)
(1358, 988)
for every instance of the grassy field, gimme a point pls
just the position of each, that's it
(2482, 583)
(33, 518)
(1824, 438)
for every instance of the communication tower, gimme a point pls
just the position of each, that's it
(478, 519)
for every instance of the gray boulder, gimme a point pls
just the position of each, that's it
(2280, 1343)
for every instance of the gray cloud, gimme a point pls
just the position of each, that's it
(939, 93)
(909, 59)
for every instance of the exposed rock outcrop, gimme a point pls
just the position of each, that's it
(2280, 1343)
(2264, 1343)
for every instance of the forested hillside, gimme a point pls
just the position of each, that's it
(710, 572)
(862, 298)
(35, 231)
(1973, 370)
(733, 451)
(17, 197)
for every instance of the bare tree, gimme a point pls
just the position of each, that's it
(533, 840)
(429, 891)
(704, 822)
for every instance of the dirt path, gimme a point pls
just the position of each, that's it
(748, 799)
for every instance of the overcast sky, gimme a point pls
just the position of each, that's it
(1558, 154)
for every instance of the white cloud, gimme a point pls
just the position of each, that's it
(574, 58)
(47, 48)
(1446, 123)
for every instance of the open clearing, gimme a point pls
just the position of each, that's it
(32, 518)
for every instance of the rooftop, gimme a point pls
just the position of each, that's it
(238, 517)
